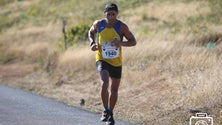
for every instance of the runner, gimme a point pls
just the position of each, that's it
(109, 55)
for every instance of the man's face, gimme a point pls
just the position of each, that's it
(111, 16)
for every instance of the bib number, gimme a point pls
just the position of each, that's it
(109, 51)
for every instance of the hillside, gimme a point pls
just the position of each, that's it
(175, 67)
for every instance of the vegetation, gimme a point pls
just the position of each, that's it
(175, 67)
(77, 34)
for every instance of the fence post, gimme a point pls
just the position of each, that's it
(64, 31)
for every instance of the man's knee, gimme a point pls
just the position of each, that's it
(105, 85)
(114, 90)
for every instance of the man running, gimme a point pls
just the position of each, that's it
(109, 55)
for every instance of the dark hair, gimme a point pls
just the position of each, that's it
(111, 6)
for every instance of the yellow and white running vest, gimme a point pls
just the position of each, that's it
(108, 52)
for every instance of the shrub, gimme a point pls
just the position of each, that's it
(77, 34)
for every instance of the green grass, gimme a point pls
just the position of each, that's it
(74, 11)
(5, 2)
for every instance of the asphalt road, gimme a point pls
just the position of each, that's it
(22, 108)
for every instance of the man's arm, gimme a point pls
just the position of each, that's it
(91, 35)
(131, 40)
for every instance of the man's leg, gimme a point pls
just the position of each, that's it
(104, 87)
(114, 92)
(113, 99)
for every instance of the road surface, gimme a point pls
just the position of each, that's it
(22, 108)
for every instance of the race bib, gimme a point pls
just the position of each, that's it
(109, 51)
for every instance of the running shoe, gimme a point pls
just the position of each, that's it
(105, 116)
(110, 120)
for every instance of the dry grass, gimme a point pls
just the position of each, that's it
(164, 76)
(153, 17)
(77, 58)
(168, 76)
(17, 70)
(167, 11)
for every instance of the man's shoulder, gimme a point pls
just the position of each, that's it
(123, 25)
(98, 22)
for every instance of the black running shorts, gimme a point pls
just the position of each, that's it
(114, 71)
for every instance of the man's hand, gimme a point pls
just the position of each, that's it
(116, 43)
(94, 47)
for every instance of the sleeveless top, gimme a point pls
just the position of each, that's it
(108, 52)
